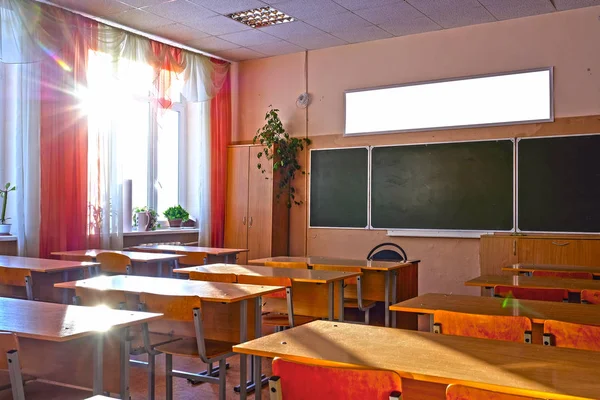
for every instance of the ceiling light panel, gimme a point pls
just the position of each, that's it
(259, 17)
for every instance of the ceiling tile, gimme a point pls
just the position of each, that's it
(180, 11)
(361, 4)
(143, 3)
(250, 37)
(230, 6)
(211, 43)
(178, 32)
(317, 41)
(389, 13)
(339, 22)
(410, 26)
(239, 54)
(356, 35)
(291, 29)
(453, 13)
(508, 9)
(277, 48)
(139, 19)
(99, 8)
(570, 4)
(305, 9)
(218, 25)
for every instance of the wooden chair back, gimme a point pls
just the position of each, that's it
(174, 308)
(212, 277)
(543, 294)
(299, 381)
(575, 336)
(590, 296)
(460, 392)
(91, 297)
(8, 342)
(114, 263)
(564, 274)
(349, 281)
(267, 281)
(497, 327)
(192, 258)
(278, 264)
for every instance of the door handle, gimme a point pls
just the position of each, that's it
(244, 221)
(561, 244)
(250, 224)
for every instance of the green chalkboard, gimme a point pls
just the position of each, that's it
(449, 186)
(559, 184)
(339, 187)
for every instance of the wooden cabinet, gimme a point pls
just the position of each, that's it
(497, 251)
(254, 218)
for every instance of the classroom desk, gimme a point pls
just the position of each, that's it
(574, 286)
(403, 275)
(305, 294)
(215, 254)
(529, 268)
(429, 362)
(219, 295)
(537, 311)
(45, 273)
(59, 334)
(137, 257)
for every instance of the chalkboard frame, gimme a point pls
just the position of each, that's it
(368, 226)
(412, 232)
(517, 229)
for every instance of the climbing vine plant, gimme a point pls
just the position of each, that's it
(283, 149)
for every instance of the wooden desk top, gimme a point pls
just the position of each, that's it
(571, 285)
(42, 264)
(296, 275)
(508, 367)
(538, 311)
(213, 251)
(135, 256)
(207, 291)
(364, 264)
(551, 267)
(60, 322)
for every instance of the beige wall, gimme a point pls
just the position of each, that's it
(566, 40)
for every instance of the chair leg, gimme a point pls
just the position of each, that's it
(367, 312)
(169, 375)
(222, 374)
(151, 376)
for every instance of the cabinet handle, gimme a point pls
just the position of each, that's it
(514, 247)
(561, 244)
(244, 221)
(250, 224)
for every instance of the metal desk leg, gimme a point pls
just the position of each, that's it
(330, 301)
(98, 363)
(341, 305)
(160, 269)
(387, 297)
(394, 295)
(65, 294)
(226, 258)
(258, 382)
(125, 347)
(172, 266)
(243, 338)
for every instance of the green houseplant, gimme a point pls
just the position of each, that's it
(152, 217)
(283, 149)
(176, 215)
(4, 227)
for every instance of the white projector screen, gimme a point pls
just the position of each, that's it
(519, 97)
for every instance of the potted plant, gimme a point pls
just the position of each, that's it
(283, 150)
(147, 214)
(4, 227)
(176, 215)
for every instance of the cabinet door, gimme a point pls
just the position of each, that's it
(236, 209)
(260, 203)
(559, 251)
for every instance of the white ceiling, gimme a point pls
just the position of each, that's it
(202, 24)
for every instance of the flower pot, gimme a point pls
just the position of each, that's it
(4, 229)
(143, 219)
(175, 223)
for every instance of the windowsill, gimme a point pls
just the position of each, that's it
(169, 231)
(8, 238)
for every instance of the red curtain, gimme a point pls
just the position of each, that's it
(63, 138)
(220, 135)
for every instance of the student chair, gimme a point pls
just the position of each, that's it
(543, 294)
(564, 274)
(356, 283)
(212, 277)
(114, 263)
(590, 296)
(575, 336)
(9, 362)
(185, 313)
(460, 392)
(280, 320)
(390, 252)
(17, 277)
(298, 381)
(291, 264)
(192, 258)
(497, 327)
